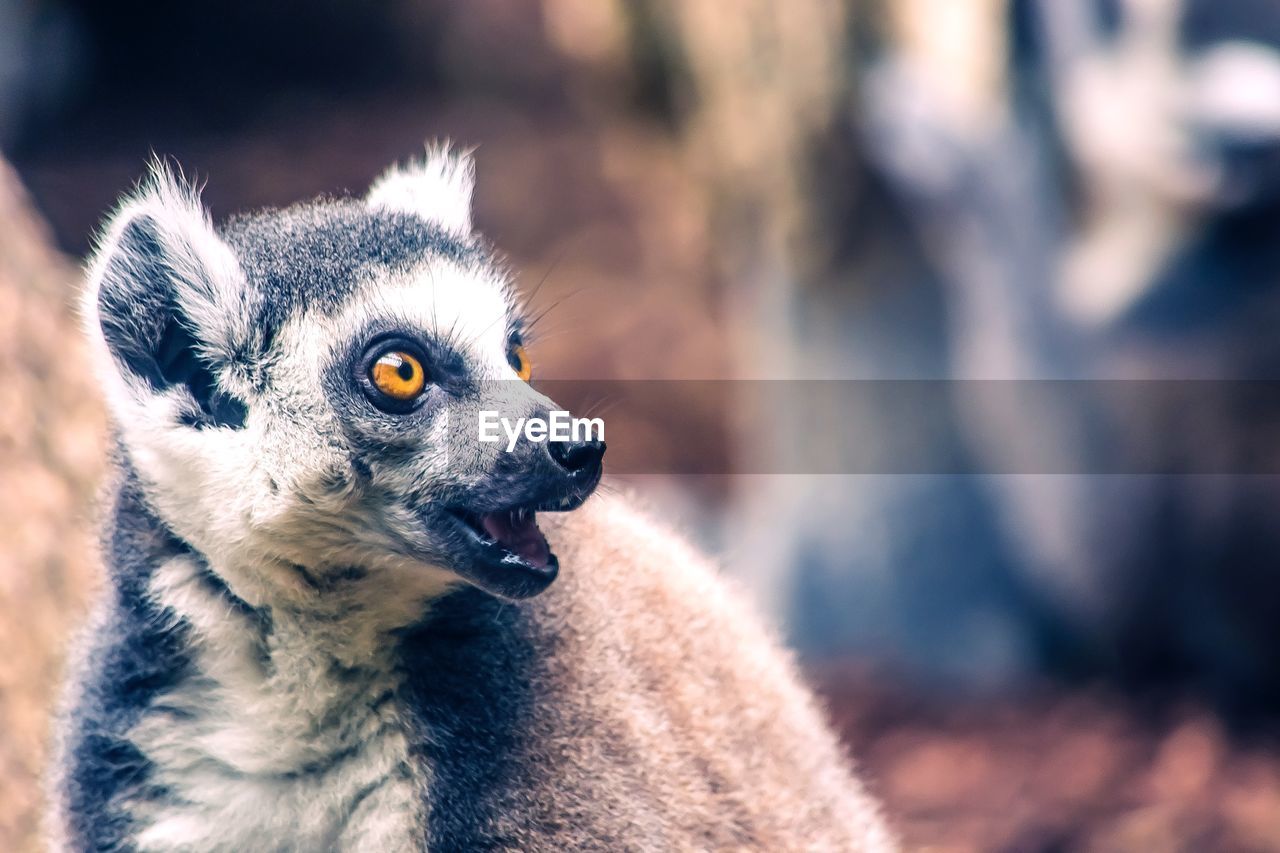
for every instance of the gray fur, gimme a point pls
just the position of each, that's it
(303, 647)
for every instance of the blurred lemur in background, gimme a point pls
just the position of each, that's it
(330, 619)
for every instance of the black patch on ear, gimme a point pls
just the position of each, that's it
(143, 326)
(220, 410)
(180, 364)
(135, 299)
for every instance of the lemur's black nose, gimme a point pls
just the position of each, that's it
(579, 458)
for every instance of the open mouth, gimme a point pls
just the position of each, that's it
(505, 554)
(513, 532)
(500, 549)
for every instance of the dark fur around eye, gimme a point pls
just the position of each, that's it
(379, 347)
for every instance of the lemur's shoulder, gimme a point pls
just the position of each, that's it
(649, 633)
(126, 655)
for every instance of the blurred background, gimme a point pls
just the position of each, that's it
(1024, 655)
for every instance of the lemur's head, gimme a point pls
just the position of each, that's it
(299, 390)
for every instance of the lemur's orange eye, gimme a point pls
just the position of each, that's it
(398, 375)
(519, 361)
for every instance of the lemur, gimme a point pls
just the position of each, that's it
(330, 621)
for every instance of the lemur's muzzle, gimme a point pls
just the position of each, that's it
(502, 550)
(582, 460)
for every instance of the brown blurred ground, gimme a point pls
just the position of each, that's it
(1084, 770)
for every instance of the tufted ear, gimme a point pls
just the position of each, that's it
(167, 298)
(436, 188)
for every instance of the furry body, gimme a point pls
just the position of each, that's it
(633, 706)
(300, 648)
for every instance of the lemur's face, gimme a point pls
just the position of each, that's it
(300, 392)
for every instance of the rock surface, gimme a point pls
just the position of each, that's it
(52, 436)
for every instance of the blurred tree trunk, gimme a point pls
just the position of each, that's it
(825, 277)
(52, 433)
(762, 104)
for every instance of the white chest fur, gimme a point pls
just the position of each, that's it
(271, 743)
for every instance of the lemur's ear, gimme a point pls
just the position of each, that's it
(436, 188)
(169, 300)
